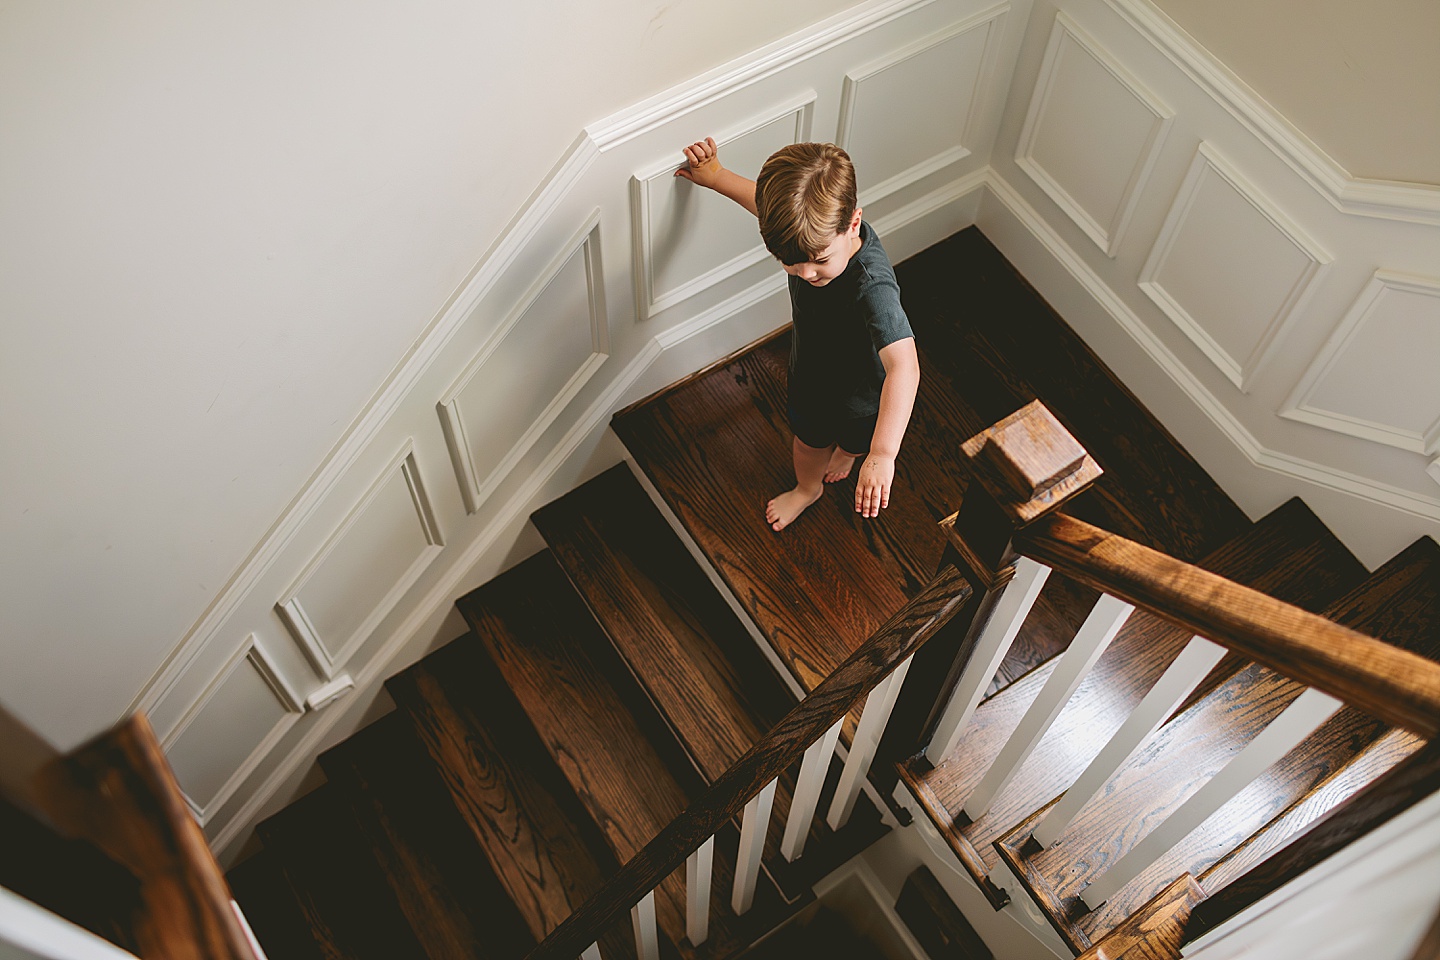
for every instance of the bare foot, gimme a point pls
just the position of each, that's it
(839, 466)
(783, 510)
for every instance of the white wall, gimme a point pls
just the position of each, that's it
(1281, 318)
(224, 224)
(376, 160)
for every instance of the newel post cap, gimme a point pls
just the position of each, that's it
(1029, 463)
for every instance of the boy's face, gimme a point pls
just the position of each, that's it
(832, 261)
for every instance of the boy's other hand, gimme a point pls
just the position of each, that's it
(872, 487)
(703, 166)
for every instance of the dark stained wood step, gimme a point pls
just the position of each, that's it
(504, 787)
(1289, 554)
(270, 907)
(550, 652)
(686, 648)
(437, 871)
(717, 447)
(342, 893)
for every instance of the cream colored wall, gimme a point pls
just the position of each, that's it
(1360, 79)
(224, 224)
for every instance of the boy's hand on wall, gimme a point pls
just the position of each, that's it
(872, 487)
(703, 165)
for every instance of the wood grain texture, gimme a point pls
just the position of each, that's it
(717, 447)
(1157, 930)
(1029, 463)
(1398, 686)
(342, 893)
(898, 638)
(490, 765)
(274, 915)
(1288, 553)
(436, 871)
(119, 793)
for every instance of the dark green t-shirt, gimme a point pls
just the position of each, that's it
(840, 328)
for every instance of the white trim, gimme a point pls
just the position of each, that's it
(652, 302)
(646, 116)
(1298, 406)
(756, 293)
(1390, 200)
(1240, 372)
(430, 344)
(474, 491)
(292, 611)
(253, 653)
(1434, 470)
(850, 91)
(1106, 236)
(1321, 475)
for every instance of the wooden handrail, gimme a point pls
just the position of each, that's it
(875, 659)
(119, 793)
(1397, 686)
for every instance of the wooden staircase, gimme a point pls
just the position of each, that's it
(606, 686)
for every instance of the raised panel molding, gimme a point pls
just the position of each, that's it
(679, 229)
(368, 540)
(954, 67)
(1222, 280)
(189, 762)
(1119, 135)
(1379, 340)
(574, 281)
(1416, 203)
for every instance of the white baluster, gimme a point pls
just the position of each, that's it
(752, 845)
(698, 871)
(249, 934)
(1010, 610)
(867, 739)
(1183, 675)
(647, 937)
(1284, 733)
(592, 952)
(1100, 627)
(807, 791)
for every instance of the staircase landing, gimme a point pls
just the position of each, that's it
(716, 446)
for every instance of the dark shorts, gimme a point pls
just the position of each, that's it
(849, 434)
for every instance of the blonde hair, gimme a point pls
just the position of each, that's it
(805, 196)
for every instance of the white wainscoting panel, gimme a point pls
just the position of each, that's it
(687, 238)
(1091, 135)
(1230, 268)
(504, 401)
(230, 728)
(1393, 328)
(915, 111)
(380, 550)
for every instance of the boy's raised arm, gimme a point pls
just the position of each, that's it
(703, 167)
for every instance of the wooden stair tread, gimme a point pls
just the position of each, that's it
(686, 648)
(679, 638)
(1133, 662)
(552, 655)
(1157, 929)
(717, 447)
(270, 907)
(436, 870)
(338, 884)
(500, 783)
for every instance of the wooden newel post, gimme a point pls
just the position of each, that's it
(1020, 469)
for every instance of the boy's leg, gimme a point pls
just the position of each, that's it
(810, 465)
(851, 435)
(839, 466)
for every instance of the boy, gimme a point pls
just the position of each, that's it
(853, 366)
